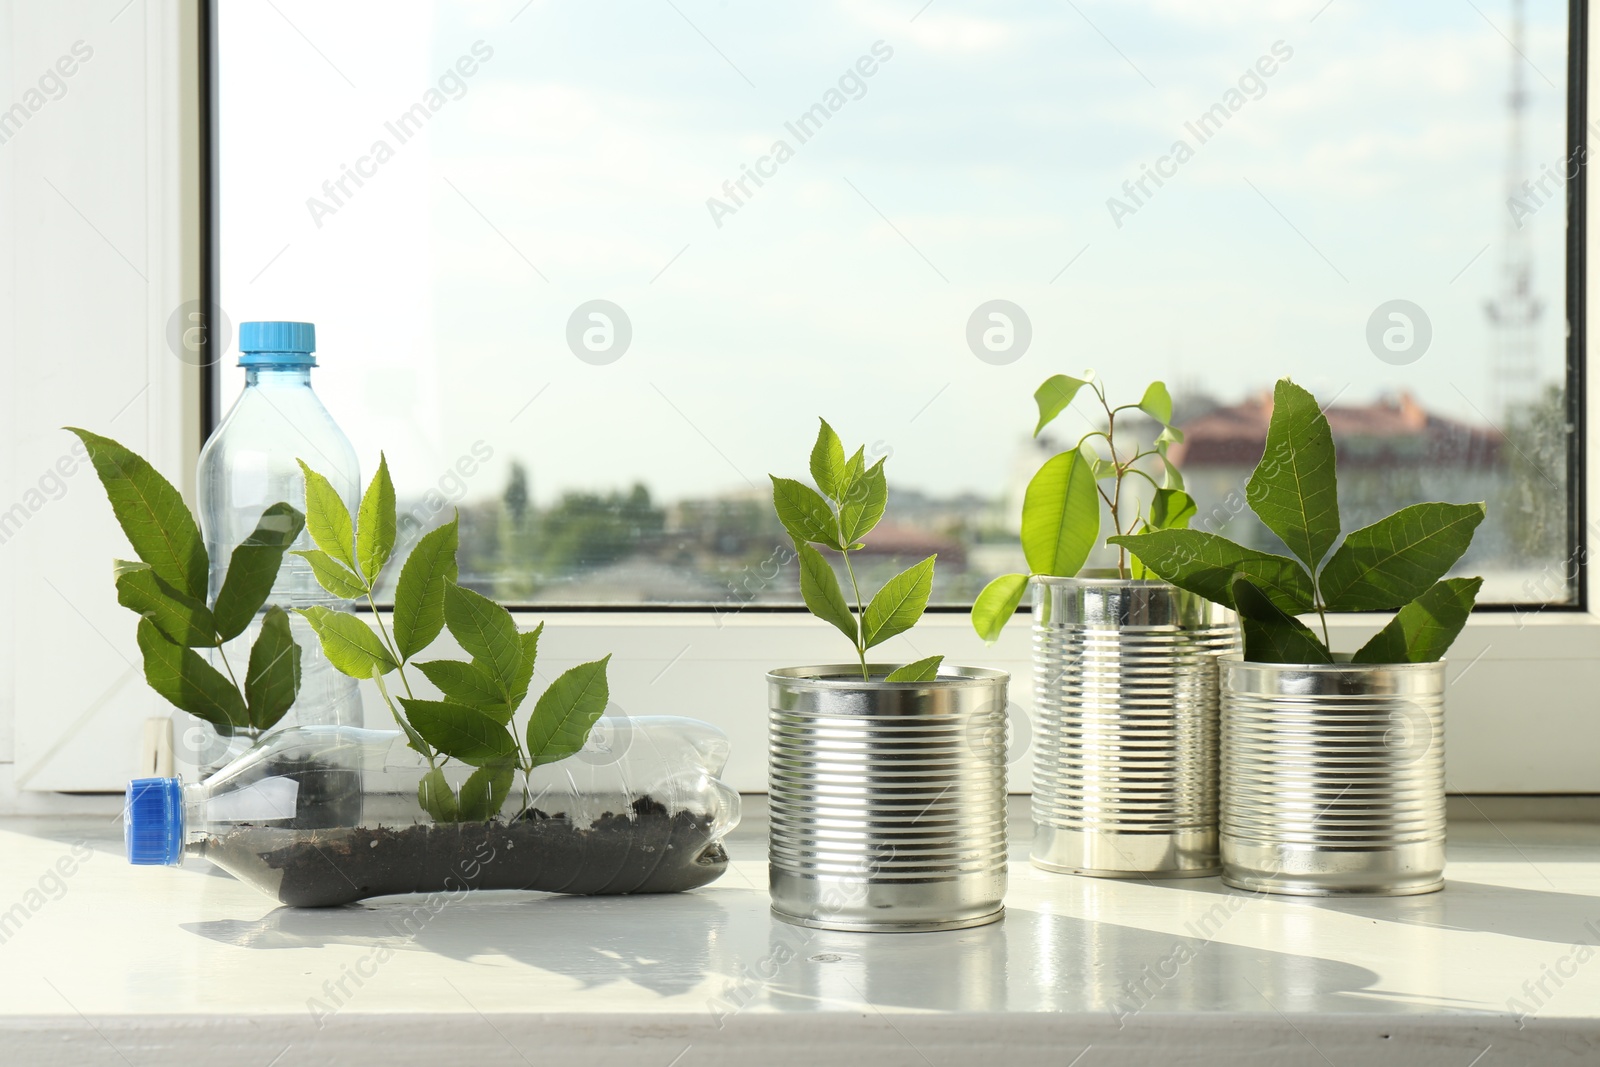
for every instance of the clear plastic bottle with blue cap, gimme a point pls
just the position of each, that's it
(639, 809)
(248, 463)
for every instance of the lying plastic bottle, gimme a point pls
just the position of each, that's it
(638, 810)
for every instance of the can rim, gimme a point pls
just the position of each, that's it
(1103, 581)
(1344, 666)
(847, 676)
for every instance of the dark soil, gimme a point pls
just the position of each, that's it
(646, 850)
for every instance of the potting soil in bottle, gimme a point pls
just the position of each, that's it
(646, 816)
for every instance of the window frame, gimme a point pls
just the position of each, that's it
(1545, 651)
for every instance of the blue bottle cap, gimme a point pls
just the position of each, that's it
(152, 823)
(277, 344)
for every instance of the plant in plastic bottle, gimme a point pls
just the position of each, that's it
(167, 588)
(473, 721)
(326, 814)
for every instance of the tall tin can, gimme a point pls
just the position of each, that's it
(1333, 778)
(887, 799)
(1125, 749)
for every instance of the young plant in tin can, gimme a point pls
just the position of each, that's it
(1396, 564)
(1061, 510)
(848, 502)
(473, 721)
(168, 590)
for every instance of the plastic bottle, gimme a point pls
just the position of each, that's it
(250, 463)
(638, 810)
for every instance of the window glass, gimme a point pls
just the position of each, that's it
(589, 273)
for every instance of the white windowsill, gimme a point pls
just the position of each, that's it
(189, 962)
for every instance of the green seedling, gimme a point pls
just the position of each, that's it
(1061, 510)
(473, 721)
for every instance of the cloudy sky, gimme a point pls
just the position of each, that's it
(975, 164)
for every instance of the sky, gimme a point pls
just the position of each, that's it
(974, 164)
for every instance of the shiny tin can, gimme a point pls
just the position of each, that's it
(1333, 778)
(887, 799)
(1125, 749)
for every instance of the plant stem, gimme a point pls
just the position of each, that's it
(861, 613)
(861, 617)
(1322, 612)
(527, 796)
(400, 669)
(405, 727)
(1121, 470)
(1130, 469)
(388, 643)
(226, 665)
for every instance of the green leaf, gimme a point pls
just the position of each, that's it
(803, 512)
(375, 523)
(1271, 635)
(1204, 563)
(253, 568)
(1171, 509)
(189, 682)
(1425, 628)
(530, 654)
(863, 504)
(819, 585)
(1271, 642)
(854, 468)
(273, 680)
(419, 595)
(467, 734)
(997, 604)
(1171, 476)
(488, 633)
(1102, 468)
(898, 605)
(485, 791)
(349, 643)
(1054, 396)
(328, 519)
(182, 619)
(1060, 516)
(923, 670)
(1396, 559)
(567, 711)
(1157, 403)
(829, 468)
(332, 575)
(469, 684)
(152, 515)
(1293, 489)
(435, 797)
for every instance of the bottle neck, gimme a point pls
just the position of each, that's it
(290, 377)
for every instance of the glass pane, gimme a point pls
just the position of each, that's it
(589, 273)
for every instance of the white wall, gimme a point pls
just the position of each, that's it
(93, 209)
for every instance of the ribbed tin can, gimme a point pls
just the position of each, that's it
(887, 799)
(1125, 746)
(1333, 778)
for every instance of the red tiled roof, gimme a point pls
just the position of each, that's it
(888, 539)
(1390, 432)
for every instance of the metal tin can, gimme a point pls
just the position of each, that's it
(887, 799)
(1333, 777)
(1125, 749)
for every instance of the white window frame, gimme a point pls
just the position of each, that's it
(1520, 713)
